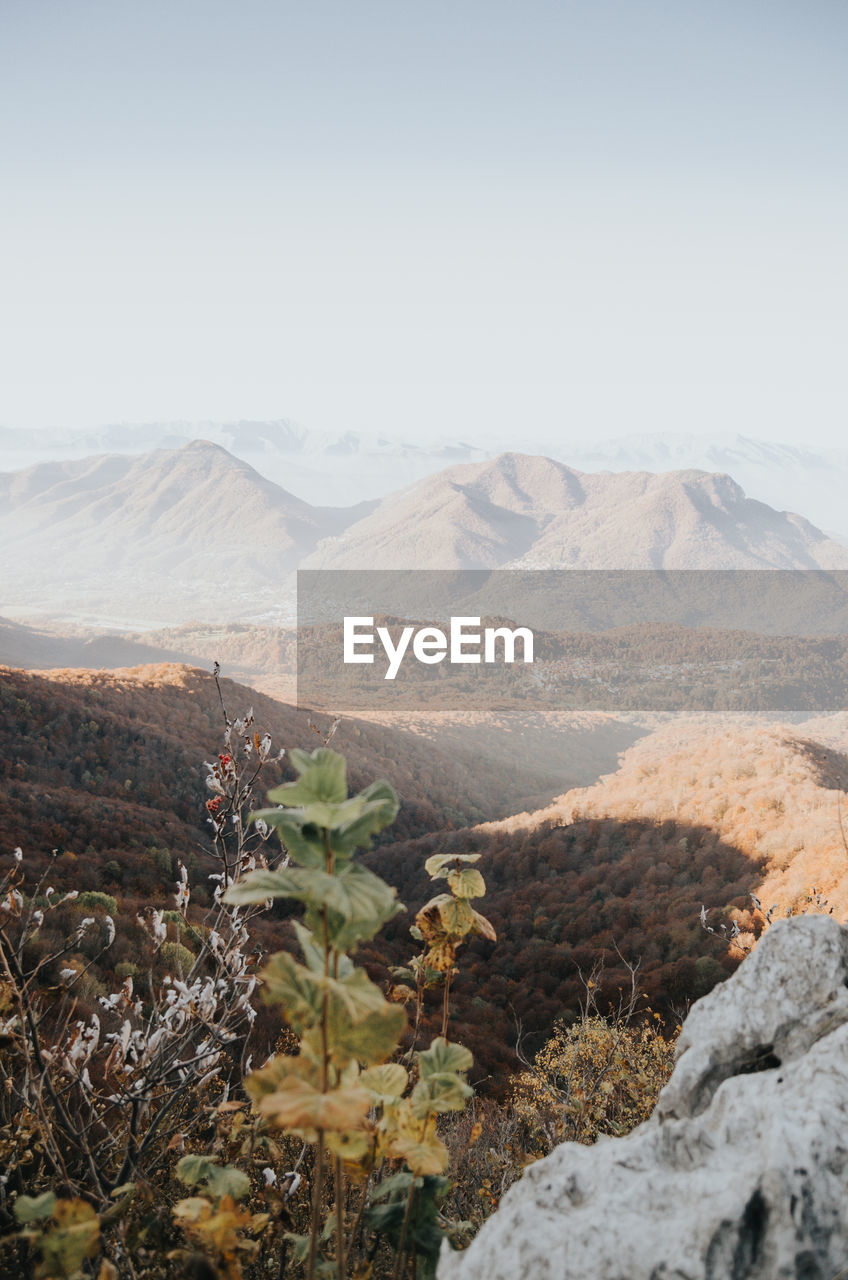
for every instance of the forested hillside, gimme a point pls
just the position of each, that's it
(107, 769)
(698, 815)
(109, 765)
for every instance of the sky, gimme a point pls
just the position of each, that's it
(460, 219)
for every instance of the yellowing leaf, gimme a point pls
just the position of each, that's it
(484, 927)
(424, 1156)
(445, 914)
(299, 1105)
(467, 883)
(272, 1077)
(437, 862)
(349, 1146)
(216, 1228)
(75, 1237)
(441, 955)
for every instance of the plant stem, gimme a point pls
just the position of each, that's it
(396, 1271)
(325, 1083)
(315, 1225)
(355, 1230)
(446, 1004)
(340, 1240)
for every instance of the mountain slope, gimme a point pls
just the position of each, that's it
(787, 477)
(163, 535)
(697, 814)
(772, 792)
(112, 760)
(519, 511)
(36, 649)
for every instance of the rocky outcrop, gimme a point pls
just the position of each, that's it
(741, 1173)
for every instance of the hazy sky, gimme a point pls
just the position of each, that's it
(540, 220)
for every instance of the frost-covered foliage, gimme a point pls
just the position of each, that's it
(95, 1103)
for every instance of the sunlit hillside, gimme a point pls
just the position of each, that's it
(772, 792)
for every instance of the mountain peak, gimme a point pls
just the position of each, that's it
(532, 512)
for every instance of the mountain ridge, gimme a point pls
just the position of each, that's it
(179, 535)
(524, 511)
(323, 465)
(193, 527)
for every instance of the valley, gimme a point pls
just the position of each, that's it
(637, 773)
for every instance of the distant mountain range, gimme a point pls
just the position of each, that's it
(163, 537)
(519, 511)
(195, 533)
(321, 467)
(324, 467)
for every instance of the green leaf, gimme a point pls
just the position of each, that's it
(350, 822)
(397, 1182)
(467, 883)
(300, 1245)
(298, 989)
(226, 1180)
(361, 1023)
(313, 952)
(221, 1180)
(371, 1040)
(437, 864)
(359, 904)
(377, 808)
(441, 1091)
(304, 884)
(443, 1057)
(386, 1081)
(35, 1208)
(358, 996)
(322, 780)
(194, 1169)
(307, 850)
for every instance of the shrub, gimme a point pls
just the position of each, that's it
(596, 1076)
(176, 958)
(93, 900)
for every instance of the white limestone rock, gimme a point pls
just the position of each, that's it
(741, 1173)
